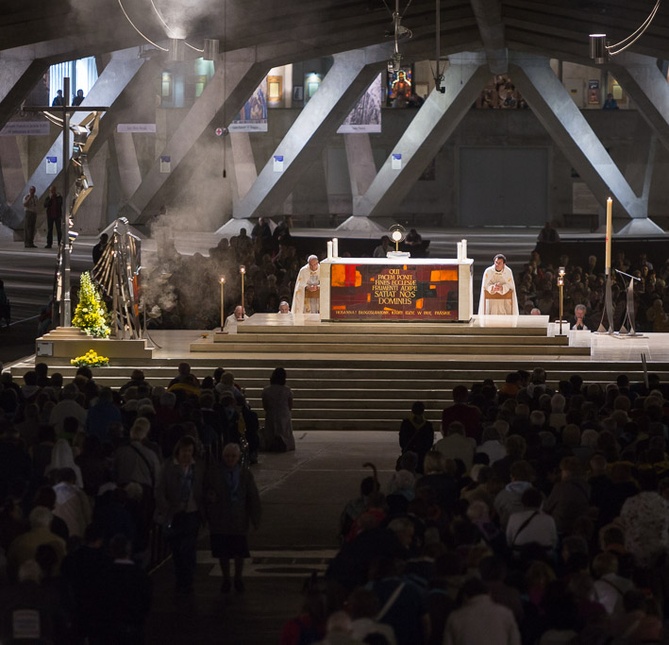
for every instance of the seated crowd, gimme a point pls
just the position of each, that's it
(585, 285)
(541, 516)
(174, 285)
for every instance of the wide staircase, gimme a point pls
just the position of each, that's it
(348, 376)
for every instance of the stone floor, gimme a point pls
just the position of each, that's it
(303, 494)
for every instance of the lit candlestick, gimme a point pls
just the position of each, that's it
(242, 271)
(335, 247)
(609, 235)
(329, 245)
(222, 281)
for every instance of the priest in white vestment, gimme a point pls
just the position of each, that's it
(497, 283)
(306, 297)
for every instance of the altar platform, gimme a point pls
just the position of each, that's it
(365, 376)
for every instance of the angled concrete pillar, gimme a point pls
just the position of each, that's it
(243, 164)
(648, 87)
(361, 167)
(488, 14)
(117, 74)
(12, 175)
(20, 73)
(558, 113)
(348, 78)
(220, 101)
(428, 131)
(129, 173)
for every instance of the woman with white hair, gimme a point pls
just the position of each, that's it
(231, 506)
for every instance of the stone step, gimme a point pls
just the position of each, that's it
(389, 425)
(357, 412)
(323, 375)
(370, 328)
(311, 341)
(313, 349)
(312, 405)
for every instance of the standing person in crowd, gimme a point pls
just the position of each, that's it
(548, 234)
(277, 401)
(306, 297)
(78, 98)
(231, 506)
(178, 506)
(29, 218)
(417, 434)
(498, 289)
(125, 596)
(480, 620)
(54, 216)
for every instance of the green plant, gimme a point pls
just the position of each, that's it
(91, 312)
(90, 359)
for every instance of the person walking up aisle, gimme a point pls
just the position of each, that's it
(232, 506)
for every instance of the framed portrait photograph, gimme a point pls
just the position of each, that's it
(298, 93)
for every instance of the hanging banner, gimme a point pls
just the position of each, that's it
(26, 128)
(366, 115)
(136, 127)
(253, 116)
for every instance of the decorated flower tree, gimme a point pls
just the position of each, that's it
(91, 312)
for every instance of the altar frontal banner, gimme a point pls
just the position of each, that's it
(394, 292)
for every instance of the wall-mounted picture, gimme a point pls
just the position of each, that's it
(366, 115)
(274, 91)
(593, 92)
(253, 116)
(400, 87)
(312, 82)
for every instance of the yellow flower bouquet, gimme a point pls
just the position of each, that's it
(90, 359)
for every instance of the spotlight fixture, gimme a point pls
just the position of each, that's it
(211, 49)
(177, 50)
(600, 51)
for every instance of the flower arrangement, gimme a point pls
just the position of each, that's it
(90, 359)
(91, 312)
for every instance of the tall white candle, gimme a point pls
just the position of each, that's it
(464, 249)
(329, 245)
(459, 251)
(335, 247)
(222, 280)
(609, 235)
